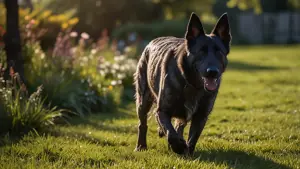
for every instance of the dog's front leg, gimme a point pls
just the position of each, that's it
(166, 106)
(197, 126)
(199, 120)
(177, 144)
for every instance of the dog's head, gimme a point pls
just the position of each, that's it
(207, 53)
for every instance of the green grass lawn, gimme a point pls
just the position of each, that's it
(255, 124)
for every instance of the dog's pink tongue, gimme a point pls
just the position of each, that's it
(210, 84)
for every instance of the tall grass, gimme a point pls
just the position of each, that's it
(21, 112)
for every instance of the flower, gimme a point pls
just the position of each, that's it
(110, 87)
(120, 76)
(85, 58)
(42, 56)
(64, 25)
(113, 82)
(84, 35)
(73, 34)
(27, 17)
(93, 51)
(127, 49)
(73, 21)
(32, 21)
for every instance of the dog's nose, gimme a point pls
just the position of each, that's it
(212, 72)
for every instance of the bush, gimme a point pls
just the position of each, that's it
(40, 23)
(63, 86)
(149, 31)
(20, 113)
(80, 78)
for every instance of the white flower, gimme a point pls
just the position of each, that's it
(93, 51)
(115, 66)
(113, 82)
(127, 49)
(116, 58)
(120, 76)
(122, 68)
(102, 72)
(84, 35)
(42, 56)
(85, 59)
(121, 57)
(73, 34)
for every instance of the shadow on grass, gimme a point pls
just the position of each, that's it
(238, 159)
(88, 138)
(237, 65)
(104, 121)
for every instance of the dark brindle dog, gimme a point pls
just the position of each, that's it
(182, 76)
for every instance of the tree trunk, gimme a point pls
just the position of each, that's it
(12, 40)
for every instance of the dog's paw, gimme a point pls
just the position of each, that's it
(140, 148)
(178, 145)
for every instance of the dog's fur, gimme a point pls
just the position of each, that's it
(182, 76)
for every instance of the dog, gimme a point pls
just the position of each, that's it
(182, 77)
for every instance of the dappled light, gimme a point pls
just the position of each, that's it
(150, 84)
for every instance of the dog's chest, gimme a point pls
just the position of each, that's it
(192, 98)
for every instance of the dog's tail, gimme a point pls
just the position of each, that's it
(140, 76)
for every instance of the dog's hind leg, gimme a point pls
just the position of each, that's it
(179, 127)
(142, 112)
(144, 102)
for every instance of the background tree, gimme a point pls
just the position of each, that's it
(12, 39)
(260, 6)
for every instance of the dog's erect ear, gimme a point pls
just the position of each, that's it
(222, 29)
(194, 28)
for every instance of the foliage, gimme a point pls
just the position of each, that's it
(156, 29)
(76, 75)
(41, 17)
(20, 113)
(181, 9)
(255, 125)
(39, 23)
(260, 6)
(108, 13)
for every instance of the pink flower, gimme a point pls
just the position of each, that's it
(32, 21)
(84, 35)
(74, 34)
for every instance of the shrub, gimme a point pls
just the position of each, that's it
(152, 30)
(63, 86)
(80, 78)
(20, 113)
(40, 23)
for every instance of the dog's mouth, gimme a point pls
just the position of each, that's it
(210, 84)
